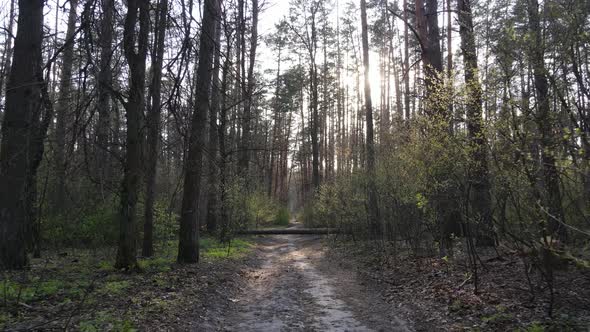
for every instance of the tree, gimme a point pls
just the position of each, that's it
(135, 46)
(7, 52)
(103, 105)
(213, 160)
(249, 90)
(373, 207)
(62, 110)
(545, 120)
(307, 34)
(153, 124)
(480, 200)
(19, 136)
(188, 246)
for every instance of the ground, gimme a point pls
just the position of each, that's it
(293, 288)
(288, 283)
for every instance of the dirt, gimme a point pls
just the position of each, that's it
(439, 295)
(290, 286)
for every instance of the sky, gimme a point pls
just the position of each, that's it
(273, 11)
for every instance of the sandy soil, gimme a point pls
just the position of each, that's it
(292, 287)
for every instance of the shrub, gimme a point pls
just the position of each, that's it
(282, 217)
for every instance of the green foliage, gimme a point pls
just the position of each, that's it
(533, 327)
(249, 209)
(165, 222)
(339, 204)
(498, 318)
(105, 320)
(214, 249)
(282, 217)
(115, 287)
(159, 264)
(97, 227)
(32, 290)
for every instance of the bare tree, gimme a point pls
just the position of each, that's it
(135, 46)
(153, 126)
(62, 111)
(19, 136)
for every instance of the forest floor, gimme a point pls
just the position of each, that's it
(435, 294)
(291, 287)
(287, 283)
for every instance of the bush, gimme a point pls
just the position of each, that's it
(92, 229)
(282, 217)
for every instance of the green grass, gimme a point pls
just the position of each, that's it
(210, 248)
(115, 287)
(105, 320)
(213, 249)
(33, 290)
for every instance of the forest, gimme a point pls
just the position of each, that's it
(278, 165)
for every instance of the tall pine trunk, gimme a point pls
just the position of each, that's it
(244, 160)
(373, 205)
(480, 198)
(188, 246)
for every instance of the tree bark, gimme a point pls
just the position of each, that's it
(212, 179)
(153, 127)
(478, 177)
(137, 12)
(188, 246)
(7, 56)
(21, 119)
(406, 64)
(545, 120)
(244, 160)
(103, 159)
(373, 205)
(61, 113)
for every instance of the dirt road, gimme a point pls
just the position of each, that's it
(293, 288)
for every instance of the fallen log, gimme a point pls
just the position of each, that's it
(287, 231)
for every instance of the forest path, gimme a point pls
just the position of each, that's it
(294, 288)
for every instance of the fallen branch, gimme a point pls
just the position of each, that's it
(287, 231)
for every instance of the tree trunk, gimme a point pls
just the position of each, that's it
(7, 56)
(480, 198)
(213, 181)
(545, 120)
(17, 176)
(103, 160)
(136, 9)
(188, 246)
(373, 205)
(62, 110)
(406, 64)
(315, 149)
(153, 127)
(244, 161)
